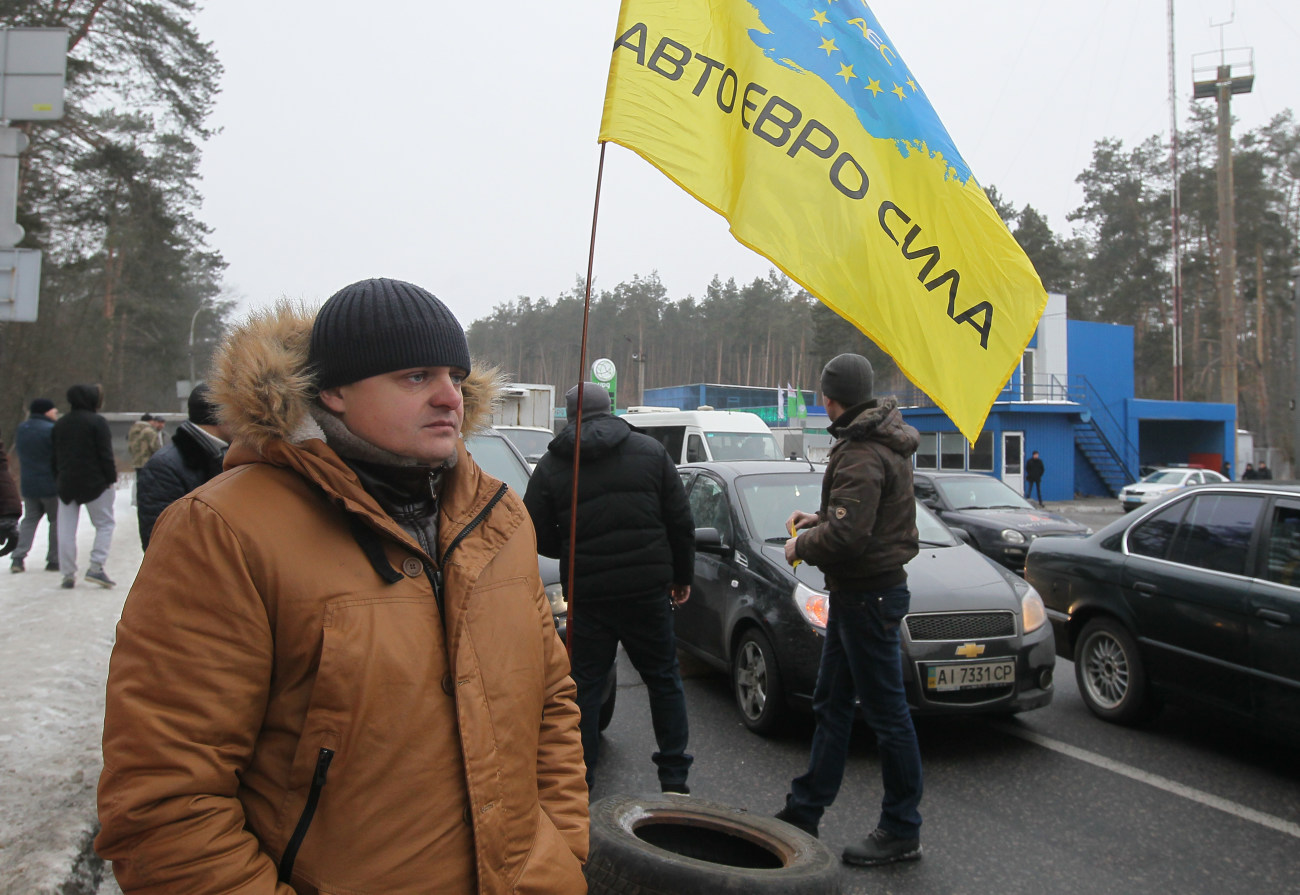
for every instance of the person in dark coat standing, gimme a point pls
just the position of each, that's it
(84, 473)
(862, 537)
(635, 560)
(1034, 477)
(194, 455)
(1263, 472)
(35, 449)
(10, 505)
(1249, 475)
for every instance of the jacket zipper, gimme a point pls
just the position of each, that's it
(464, 532)
(323, 759)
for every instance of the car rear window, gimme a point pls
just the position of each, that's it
(1216, 532)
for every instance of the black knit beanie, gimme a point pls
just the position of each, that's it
(377, 326)
(202, 412)
(848, 379)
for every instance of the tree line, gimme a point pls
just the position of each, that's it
(110, 195)
(1114, 266)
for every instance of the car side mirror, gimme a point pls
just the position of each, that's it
(707, 540)
(931, 502)
(962, 535)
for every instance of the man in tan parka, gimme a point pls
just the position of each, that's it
(337, 670)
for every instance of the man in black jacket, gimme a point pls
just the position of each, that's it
(1034, 476)
(861, 538)
(194, 455)
(635, 560)
(84, 472)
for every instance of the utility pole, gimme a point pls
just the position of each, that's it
(1176, 267)
(1221, 87)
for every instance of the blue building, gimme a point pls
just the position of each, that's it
(1072, 400)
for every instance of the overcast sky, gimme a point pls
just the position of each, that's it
(454, 144)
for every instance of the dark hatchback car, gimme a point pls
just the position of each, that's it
(976, 639)
(1195, 599)
(1000, 522)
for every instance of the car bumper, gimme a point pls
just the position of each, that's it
(1031, 687)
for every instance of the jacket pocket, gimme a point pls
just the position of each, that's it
(893, 604)
(319, 776)
(551, 866)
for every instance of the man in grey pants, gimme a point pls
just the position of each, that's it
(84, 471)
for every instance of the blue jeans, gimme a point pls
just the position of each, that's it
(862, 657)
(646, 631)
(1031, 485)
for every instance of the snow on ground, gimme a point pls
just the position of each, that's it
(54, 649)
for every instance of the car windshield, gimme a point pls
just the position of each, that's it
(743, 446)
(768, 500)
(979, 493)
(1166, 477)
(499, 460)
(531, 442)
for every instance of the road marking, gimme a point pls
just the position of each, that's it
(1171, 786)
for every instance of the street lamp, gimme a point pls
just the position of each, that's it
(202, 304)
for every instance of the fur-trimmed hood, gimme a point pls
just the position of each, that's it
(262, 383)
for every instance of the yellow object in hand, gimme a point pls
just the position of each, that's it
(794, 534)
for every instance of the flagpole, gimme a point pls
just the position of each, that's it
(577, 421)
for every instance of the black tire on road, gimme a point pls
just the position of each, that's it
(756, 683)
(670, 845)
(1112, 679)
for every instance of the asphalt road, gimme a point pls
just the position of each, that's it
(1052, 801)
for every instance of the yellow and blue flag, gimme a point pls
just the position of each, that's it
(799, 122)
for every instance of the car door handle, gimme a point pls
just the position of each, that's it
(1143, 587)
(1272, 615)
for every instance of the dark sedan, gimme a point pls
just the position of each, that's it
(976, 639)
(1000, 522)
(1194, 599)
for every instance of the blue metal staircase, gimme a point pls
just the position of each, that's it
(1101, 456)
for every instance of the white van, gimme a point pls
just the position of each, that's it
(695, 435)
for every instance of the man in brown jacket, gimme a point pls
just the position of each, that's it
(861, 537)
(337, 669)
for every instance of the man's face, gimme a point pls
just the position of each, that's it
(52, 413)
(157, 424)
(413, 413)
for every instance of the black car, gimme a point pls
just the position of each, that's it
(1195, 599)
(976, 639)
(1000, 522)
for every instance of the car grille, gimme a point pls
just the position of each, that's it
(960, 625)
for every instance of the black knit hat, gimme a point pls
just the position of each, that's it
(40, 405)
(848, 379)
(202, 411)
(377, 326)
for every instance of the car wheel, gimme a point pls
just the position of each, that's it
(1110, 674)
(610, 697)
(667, 844)
(756, 683)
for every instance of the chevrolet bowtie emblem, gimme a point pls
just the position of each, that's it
(970, 650)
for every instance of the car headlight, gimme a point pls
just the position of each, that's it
(1011, 536)
(555, 593)
(813, 605)
(1033, 613)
